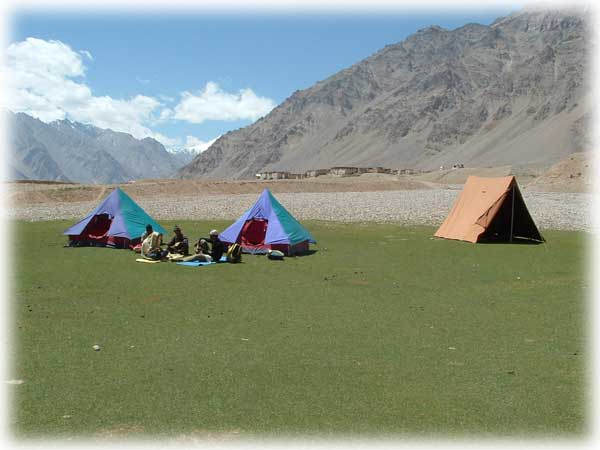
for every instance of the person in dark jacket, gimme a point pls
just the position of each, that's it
(217, 248)
(179, 243)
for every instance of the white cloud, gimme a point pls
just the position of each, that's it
(169, 143)
(166, 98)
(165, 114)
(50, 58)
(212, 103)
(196, 145)
(45, 79)
(87, 54)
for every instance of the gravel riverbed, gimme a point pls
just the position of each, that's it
(561, 211)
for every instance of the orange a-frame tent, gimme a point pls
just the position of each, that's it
(489, 209)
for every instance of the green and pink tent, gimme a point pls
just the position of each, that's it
(267, 225)
(117, 222)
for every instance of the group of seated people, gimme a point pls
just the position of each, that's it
(177, 249)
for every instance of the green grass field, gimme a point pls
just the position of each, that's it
(382, 332)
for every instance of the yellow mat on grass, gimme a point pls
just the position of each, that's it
(149, 261)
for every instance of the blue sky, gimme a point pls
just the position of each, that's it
(160, 56)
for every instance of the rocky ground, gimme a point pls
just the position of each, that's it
(426, 205)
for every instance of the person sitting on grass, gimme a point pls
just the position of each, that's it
(151, 246)
(148, 232)
(217, 247)
(138, 247)
(179, 243)
(202, 254)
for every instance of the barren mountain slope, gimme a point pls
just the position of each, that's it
(511, 93)
(572, 174)
(71, 151)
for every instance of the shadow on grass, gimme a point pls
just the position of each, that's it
(515, 241)
(306, 253)
(298, 255)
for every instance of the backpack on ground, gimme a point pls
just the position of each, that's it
(234, 253)
(276, 255)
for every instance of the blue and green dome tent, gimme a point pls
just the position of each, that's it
(117, 222)
(268, 226)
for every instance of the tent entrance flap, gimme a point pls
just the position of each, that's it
(98, 226)
(511, 221)
(253, 234)
(499, 228)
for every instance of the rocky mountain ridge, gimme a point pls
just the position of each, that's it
(514, 92)
(70, 151)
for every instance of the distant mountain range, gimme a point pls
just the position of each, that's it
(72, 151)
(512, 93)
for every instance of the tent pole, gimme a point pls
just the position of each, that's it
(512, 213)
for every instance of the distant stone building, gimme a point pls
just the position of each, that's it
(339, 171)
(280, 175)
(344, 171)
(315, 173)
(378, 170)
(406, 171)
(270, 175)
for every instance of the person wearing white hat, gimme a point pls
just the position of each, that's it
(217, 247)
